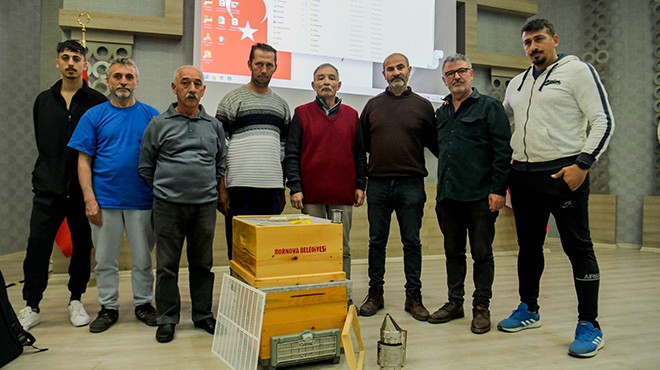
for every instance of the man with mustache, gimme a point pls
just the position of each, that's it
(117, 199)
(473, 136)
(397, 125)
(325, 160)
(55, 186)
(182, 158)
(561, 123)
(255, 120)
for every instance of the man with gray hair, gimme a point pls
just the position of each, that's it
(117, 199)
(473, 137)
(183, 158)
(325, 160)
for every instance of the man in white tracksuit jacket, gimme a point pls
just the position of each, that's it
(561, 123)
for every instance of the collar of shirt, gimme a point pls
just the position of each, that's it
(329, 110)
(474, 95)
(172, 112)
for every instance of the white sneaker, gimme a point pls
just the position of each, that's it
(77, 314)
(28, 318)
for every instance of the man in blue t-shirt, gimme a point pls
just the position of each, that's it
(108, 138)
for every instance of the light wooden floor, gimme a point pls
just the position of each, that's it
(630, 296)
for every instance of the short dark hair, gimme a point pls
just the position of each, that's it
(537, 25)
(71, 45)
(263, 47)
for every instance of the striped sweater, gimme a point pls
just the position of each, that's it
(256, 129)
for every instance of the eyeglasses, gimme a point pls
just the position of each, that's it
(461, 72)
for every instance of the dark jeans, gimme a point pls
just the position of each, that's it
(405, 196)
(196, 224)
(48, 212)
(458, 220)
(534, 196)
(250, 201)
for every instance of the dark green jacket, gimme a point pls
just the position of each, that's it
(475, 155)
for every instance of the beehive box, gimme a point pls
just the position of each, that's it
(293, 309)
(286, 250)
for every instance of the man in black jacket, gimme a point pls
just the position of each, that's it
(55, 186)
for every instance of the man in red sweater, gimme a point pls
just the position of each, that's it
(325, 158)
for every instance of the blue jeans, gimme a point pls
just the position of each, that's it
(459, 220)
(406, 197)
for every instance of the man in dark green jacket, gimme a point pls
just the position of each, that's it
(473, 136)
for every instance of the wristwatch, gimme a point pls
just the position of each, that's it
(582, 164)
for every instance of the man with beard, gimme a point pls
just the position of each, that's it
(255, 120)
(561, 123)
(397, 125)
(55, 186)
(473, 136)
(182, 157)
(117, 199)
(325, 159)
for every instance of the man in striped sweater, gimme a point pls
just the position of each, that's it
(255, 120)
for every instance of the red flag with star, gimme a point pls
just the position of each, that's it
(229, 29)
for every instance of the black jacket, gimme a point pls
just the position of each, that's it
(56, 169)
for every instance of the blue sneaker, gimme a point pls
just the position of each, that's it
(588, 340)
(520, 319)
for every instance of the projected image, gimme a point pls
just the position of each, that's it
(354, 35)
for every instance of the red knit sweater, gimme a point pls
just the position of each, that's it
(327, 165)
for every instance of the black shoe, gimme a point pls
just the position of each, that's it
(146, 313)
(105, 319)
(208, 324)
(165, 333)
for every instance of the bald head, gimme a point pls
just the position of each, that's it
(397, 56)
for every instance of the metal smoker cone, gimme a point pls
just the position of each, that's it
(392, 344)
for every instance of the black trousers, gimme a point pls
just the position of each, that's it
(458, 220)
(174, 223)
(534, 196)
(48, 212)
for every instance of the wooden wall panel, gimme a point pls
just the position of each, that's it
(651, 223)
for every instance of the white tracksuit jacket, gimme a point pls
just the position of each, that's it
(563, 113)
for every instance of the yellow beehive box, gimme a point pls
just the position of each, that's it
(286, 250)
(292, 309)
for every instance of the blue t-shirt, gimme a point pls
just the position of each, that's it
(112, 136)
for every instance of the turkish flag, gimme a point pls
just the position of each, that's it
(63, 239)
(229, 29)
